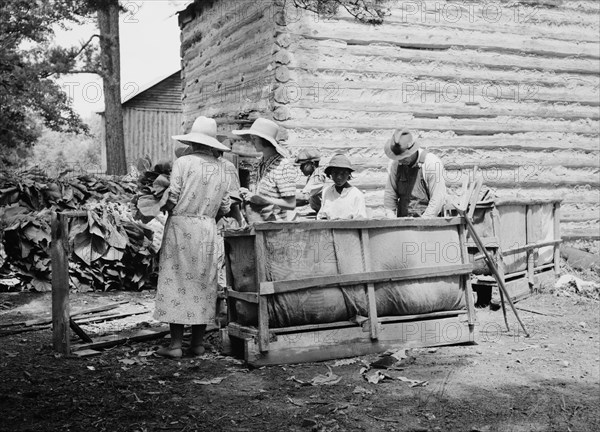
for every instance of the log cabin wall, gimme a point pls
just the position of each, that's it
(227, 60)
(512, 87)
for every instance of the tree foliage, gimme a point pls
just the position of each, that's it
(366, 11)
(29, 96)
(54, 151)
(27, 64)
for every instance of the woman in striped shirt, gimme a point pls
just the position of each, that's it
(272, 188)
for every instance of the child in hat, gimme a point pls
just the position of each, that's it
(308, 160)
(341, 200)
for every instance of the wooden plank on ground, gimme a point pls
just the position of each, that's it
(41, 321)
(86, 353)
(114, 340)
(350, 342)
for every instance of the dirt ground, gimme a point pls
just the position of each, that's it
(505, 382)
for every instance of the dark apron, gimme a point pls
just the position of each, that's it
(413, 196)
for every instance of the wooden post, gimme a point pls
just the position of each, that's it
(556, 237)
(260, 274)
(529, 240)
(366, 255)
(462, 238)
(492, 266)
(60, 284)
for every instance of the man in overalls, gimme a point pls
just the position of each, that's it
(415, 184)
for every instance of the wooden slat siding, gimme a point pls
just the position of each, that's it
(148, 132)
(546, 118)
(164, 96)
(235, 50)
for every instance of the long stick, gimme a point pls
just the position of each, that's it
(492, 266)
(504, 310)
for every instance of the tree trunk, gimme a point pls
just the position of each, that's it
(108, 23)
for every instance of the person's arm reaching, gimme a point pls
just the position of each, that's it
(434, 176)
(390, 195)
(175, 184)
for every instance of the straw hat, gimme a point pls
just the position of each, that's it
(266, 129)
(339, 161)
(308, 155)
(204, 131)
(401, 145)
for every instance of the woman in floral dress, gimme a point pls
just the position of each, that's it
(187, 281)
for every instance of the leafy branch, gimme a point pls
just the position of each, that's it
(365, 11)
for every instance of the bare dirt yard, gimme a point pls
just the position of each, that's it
(505, 382)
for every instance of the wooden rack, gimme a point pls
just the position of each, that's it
(520, 231)
(261, 345)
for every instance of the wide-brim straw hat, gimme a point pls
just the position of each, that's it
(266, 129)
(339, 161)
(204, 131)
(307, 155)
(401, 145)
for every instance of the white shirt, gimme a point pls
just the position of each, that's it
(350, 204)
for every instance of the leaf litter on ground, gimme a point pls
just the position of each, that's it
(216, 380)
(328, 379)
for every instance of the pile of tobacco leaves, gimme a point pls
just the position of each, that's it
(109, 247)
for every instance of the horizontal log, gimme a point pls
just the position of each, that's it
(226, 21)
(390, 67)
(361, 143)
(580, 234)
(494, 178)
(279, 287)
(366, 123)
(246, 70)
(524, 164)
(433, 109)
(504, 21)
(422, 37)
(458, 56)
(572, 198)
(434, 92)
